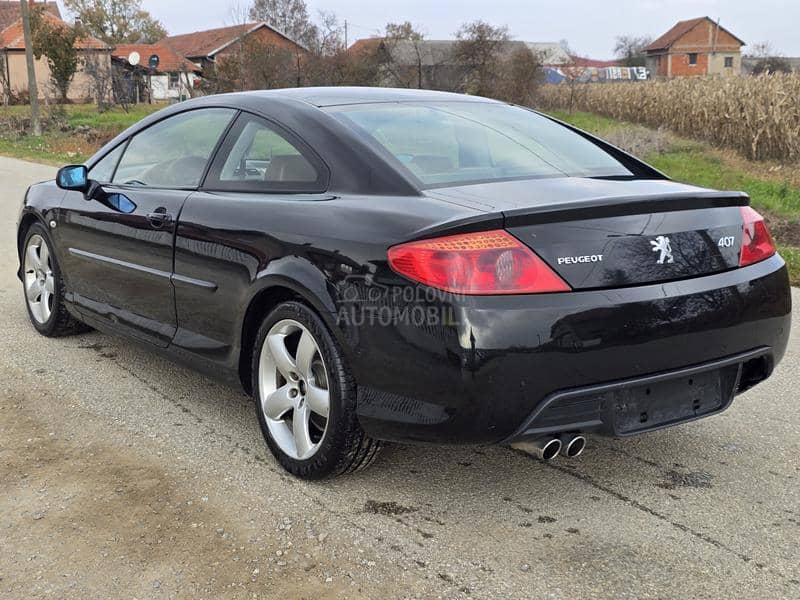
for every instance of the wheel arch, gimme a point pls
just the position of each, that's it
(28, 219)
(273, 290)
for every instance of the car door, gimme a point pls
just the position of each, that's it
(119, 244)
(231, 228)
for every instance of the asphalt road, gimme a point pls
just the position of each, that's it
(124, 475)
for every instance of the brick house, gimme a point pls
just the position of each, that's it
(695, 47)
(204, 48)
(13, 68)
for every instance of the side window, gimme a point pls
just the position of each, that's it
(173, 152)
(693, 58)
(256, 157)
(103, 170)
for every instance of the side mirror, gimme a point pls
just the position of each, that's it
(73, 177)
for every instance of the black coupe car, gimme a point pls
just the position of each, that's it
(382, 264)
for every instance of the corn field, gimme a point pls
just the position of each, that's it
(756, 116)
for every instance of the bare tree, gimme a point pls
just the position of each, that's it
(33, 90)
(573, 72)
(401, 54)
(769, 60)
(100, 76)
(520, 75)
(478, 51)
(289, 16)
(630, 49)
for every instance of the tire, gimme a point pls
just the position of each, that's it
(42, 279)
(325, 447)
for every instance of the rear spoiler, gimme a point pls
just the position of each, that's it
(624, 205)
(591, 208)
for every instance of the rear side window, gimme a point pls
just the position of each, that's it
(449, 143)
(256, 156)
(173, 152)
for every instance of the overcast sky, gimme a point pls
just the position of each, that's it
(590, 26)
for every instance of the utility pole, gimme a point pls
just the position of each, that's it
(33, 91)
(345, 35)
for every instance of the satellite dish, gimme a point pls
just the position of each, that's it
(153, 62)
(134, 58)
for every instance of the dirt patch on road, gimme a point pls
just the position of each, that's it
(82, 519)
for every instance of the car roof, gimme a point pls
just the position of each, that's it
(333, 96)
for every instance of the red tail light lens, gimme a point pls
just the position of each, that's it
(757, 243)
(488, 262)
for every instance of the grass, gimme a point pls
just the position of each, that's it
(792, 257)
(592, 123)
(71, 138)
(701, 168)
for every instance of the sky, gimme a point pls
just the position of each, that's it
(589, 26)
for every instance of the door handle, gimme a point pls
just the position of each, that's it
(159, 217)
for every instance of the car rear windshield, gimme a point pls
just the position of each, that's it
(451, 143)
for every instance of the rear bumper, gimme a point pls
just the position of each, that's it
(634, 406)
(489, 375)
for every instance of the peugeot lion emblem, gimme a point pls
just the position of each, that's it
(661, 244)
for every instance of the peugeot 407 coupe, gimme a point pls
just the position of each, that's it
(398, 265)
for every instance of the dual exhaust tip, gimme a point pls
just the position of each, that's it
(548, 448)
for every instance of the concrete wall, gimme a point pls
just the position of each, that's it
(80, 89)
(716, 64)
(162, 90)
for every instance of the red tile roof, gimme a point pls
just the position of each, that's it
(209, 42)
(680, 29)
(169, 61)
(10, 11)
(365, 45)
(13, 38)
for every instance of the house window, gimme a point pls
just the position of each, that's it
(693, 58)
(174, 80)
(728, 62)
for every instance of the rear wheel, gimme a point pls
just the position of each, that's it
(305, 396)
(44, 287)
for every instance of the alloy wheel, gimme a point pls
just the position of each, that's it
(39, 279)
(293, 389)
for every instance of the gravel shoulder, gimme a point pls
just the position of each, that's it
(122, 474)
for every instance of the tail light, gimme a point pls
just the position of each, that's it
(488, 262)
(757, 243)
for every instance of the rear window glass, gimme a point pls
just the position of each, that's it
(449, 143)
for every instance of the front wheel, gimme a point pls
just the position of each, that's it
(305, 396)
(44, 287)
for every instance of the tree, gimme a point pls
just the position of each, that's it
(573, 72)
(769, 61)
(401, 39)
(772, 64)
(56, 42)
(478, 51)
(116, 21)
(33, 91)
(521, 73)
(288, 16)
(630, 49)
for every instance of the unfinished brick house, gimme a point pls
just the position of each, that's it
(698, 46)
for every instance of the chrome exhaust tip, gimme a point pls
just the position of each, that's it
(575, 446)
(544, 449)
